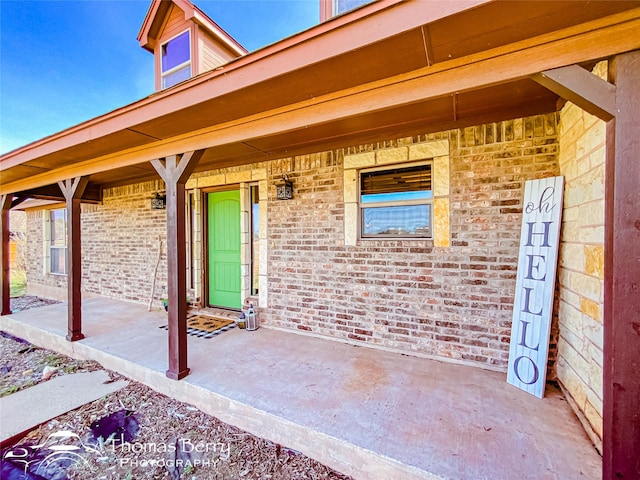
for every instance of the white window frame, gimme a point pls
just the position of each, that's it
(362, 206)
(50, 242)
(188, 63)
(335, 4)
(254, 266)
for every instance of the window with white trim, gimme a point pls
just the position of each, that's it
(341, 6)
(396, 202)
(255, 238)
(175, 59)
(58, 241)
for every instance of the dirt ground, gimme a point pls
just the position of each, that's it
(163, 438)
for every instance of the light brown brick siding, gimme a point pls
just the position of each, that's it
(35, 257)
(453, 302)
(119, 245)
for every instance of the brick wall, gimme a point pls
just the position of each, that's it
(582, 161)
(453, 301)
(37, 280)
(448, 297)
(120, 241)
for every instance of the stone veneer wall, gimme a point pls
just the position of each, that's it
(450, 297)
(582, 140)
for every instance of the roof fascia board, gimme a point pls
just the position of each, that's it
(143, 34)
(350, 31)
(220, 34)
(494, 67)
(156, 13)
(146, 23)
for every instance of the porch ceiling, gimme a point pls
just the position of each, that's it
(337, 84)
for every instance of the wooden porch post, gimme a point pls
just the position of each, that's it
(621, 415)
(175, 170)
(72, 190)
(5, 205)
(618, 103)
(7, 202)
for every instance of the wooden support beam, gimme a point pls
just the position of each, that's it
(72, 190)
(17, 200)
(621, 386)
(175, 171)
(586, 90)
(91, 194)
(5, 252)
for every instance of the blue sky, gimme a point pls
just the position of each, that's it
(64, 61)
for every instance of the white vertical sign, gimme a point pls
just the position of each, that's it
(535, 284)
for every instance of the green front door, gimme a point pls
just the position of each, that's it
(224, 249)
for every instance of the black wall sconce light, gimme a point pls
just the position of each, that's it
(284, 188)
(159, 202)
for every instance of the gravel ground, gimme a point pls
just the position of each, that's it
(29, 301)
(22, 365)
(163, 438)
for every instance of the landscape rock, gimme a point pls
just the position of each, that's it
(48, 372)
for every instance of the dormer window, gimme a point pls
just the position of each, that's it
(175, 57)
(185, 42)
(332, 8)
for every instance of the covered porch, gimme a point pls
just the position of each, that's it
(364, 412)
(423, 67)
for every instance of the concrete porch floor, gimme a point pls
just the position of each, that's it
(364, 412)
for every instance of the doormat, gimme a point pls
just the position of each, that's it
(205, 326)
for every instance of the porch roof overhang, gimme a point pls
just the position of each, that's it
(390, 68)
